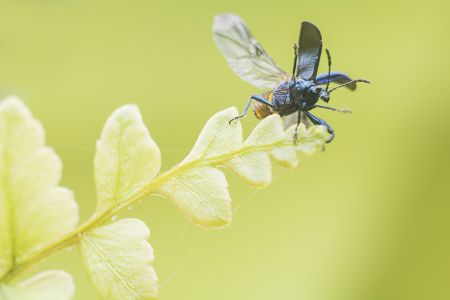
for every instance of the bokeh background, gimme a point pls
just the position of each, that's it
(369, 218)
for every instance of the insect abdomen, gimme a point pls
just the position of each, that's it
(261, 110)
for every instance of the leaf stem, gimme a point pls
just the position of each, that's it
(73, 237)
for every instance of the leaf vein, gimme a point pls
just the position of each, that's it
(194, 192)
(110, 265)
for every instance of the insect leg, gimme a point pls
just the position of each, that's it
(342, 110)
(299, 119)
(329, 68)
(318, 121)
(258, 98)
(295, 59)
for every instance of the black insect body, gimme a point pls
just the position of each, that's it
(297, 94)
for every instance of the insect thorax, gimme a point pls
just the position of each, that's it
(289, 97)
(285, 98)
(282, 97)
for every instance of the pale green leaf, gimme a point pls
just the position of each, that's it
(269, 131)
(202, 195)
(126, 158)
(49, 285)
(286, 155)
(218, 136)
(310, 139)
(119, 260)
(200, 190)
(33, 209)
(255, 168)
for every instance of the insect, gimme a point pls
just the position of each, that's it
(292, 96)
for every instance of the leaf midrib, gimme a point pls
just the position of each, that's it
(148, 188)
(118, 176)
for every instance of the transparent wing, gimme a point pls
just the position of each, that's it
(310, 48)
(244, 54)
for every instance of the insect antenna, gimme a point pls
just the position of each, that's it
(329, 69)
(295, 60)
(347, 83)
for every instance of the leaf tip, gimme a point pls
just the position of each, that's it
(216, 223)
(15, 106)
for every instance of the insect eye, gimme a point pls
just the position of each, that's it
(318, 89)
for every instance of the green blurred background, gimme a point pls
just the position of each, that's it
(369, 218)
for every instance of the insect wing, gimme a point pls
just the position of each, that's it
(244, 54)
(310, 48)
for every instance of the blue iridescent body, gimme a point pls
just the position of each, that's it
(298, 93)
(294, 95)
